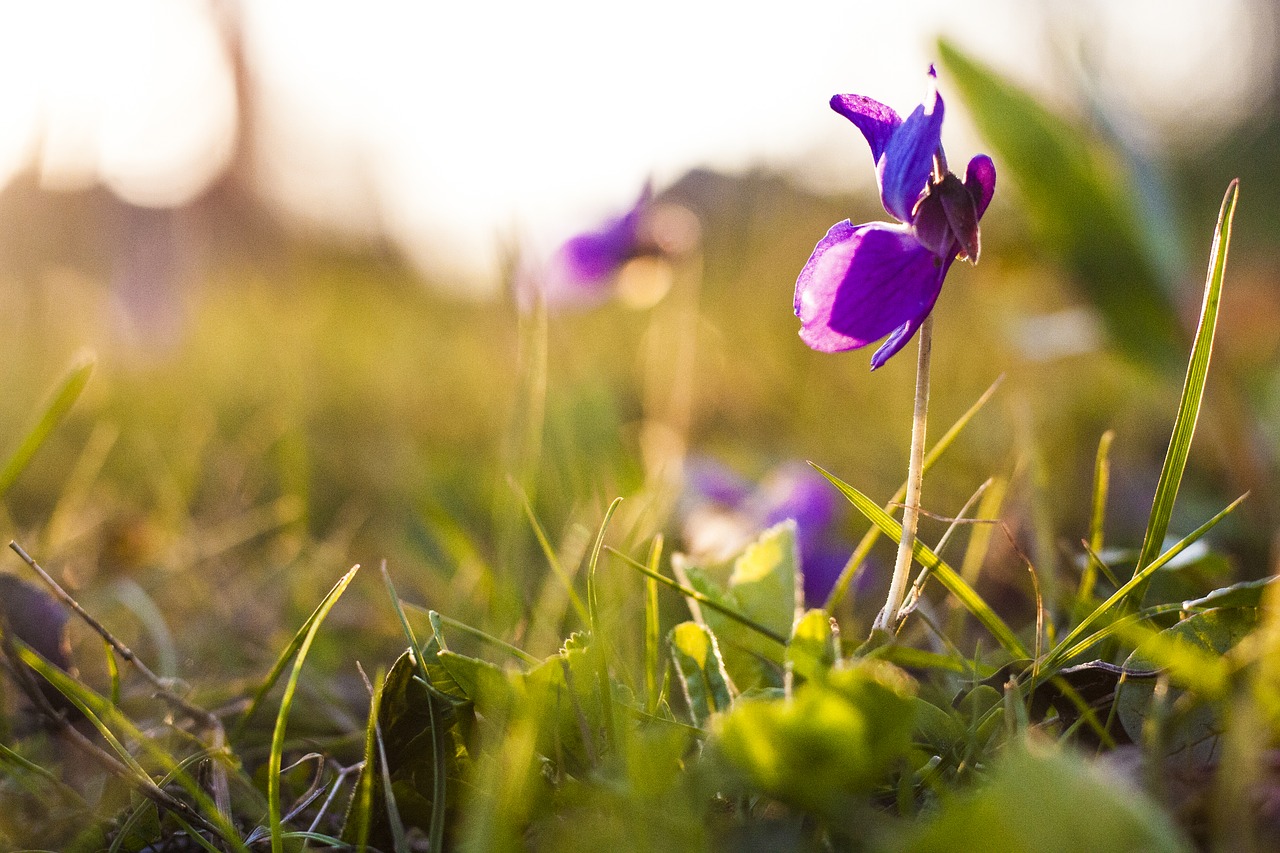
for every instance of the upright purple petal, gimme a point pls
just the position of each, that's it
(980, 181)
(908, 158)
(876, 121)
(861, 283)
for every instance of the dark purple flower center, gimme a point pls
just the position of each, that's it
(945, 220)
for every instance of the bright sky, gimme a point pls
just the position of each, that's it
(459, 127)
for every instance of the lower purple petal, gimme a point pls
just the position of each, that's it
(863, 282)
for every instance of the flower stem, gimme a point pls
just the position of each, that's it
(888, 618)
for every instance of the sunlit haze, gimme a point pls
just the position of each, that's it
(463, 129)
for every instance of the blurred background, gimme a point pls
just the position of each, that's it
(288, 230)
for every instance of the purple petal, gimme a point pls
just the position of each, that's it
(876, 121)
(706, 479)
(908, 158)
(896, 341)
(861, 283)
(980, 181)
(798, 492)
(583, 267)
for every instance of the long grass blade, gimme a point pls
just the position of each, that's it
(281, 662)
(841, 586)
(286, 704)
(597, 630)
(652, 631)
(925, 555)
(1097, 515)
(552, 559)
(1184, 426)
(68, 391)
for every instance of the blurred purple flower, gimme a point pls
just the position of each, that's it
(864, 282)
(581, 271)
(723, 513)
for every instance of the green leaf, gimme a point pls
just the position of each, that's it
(815, 647)
(764, 579)
(1184, 426)
(1244, 594)
(705, 682)
(1050, 801)
(1192, 653)
(407, 710)
(1079, 199)
(834, 739)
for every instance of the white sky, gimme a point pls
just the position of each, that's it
(459, 126)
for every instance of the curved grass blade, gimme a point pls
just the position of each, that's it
(1184, 426)
(68, 391)
(286, 704)
(841, 586)
(285, 656)
(552, 559)
(925, 555)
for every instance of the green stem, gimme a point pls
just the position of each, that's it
(888, 617)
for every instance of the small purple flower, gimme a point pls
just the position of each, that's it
(581, 271)
(723, 513)
(864, 282)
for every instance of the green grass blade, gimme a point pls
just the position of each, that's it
(1077, 195)
(8, 756)
(841, 586)
(552, 560)
(1060, 652)
(362, 798)
(67, 392)
(286, 704)
(1097, 515)
(438, 618)
(597, 630)
(106, 718)
(1184, 426)
(398, 842)
(652, 631)
(923, 554)
(278, 667)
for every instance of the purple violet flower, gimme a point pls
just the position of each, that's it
(581, 271)
(864, 282)
(724, 512)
